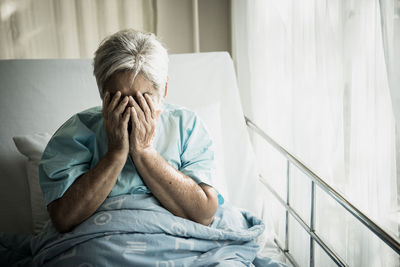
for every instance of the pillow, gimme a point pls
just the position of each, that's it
(32, 146)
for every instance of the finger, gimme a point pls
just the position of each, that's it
(139, 111)
(150, 104)
(144, 106)
(125, 118)
(122, 105)
(131, 101)
(105, 101)
(114, 101)
(134, 117)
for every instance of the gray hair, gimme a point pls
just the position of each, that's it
(131, 50)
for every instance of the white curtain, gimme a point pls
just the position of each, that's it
(390, 16)
(67, 29)
(312, 74)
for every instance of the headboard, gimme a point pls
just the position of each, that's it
(37, 96)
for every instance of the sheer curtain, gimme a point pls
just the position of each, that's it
(390, 16)
(313, 75)
(67, 29)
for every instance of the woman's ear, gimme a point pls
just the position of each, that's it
(166, 88)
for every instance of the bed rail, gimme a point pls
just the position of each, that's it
(316, 180)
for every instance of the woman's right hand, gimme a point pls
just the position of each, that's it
(116, 117)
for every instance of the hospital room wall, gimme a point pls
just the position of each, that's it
(175, 25)
(74, 29)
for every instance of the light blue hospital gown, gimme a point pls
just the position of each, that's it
(181, 138)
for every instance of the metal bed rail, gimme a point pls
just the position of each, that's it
(310, 229)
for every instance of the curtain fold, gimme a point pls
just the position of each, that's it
(67, 29)
(390, 23)
(314, 74)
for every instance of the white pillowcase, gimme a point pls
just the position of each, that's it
(32, 146)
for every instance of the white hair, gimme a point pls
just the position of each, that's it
(131, 50)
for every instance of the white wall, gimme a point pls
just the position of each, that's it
(175, 25)
(215, 30)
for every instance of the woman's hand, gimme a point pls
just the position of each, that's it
(116, 118)
(144, 117)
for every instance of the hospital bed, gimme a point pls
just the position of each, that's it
(37, 96)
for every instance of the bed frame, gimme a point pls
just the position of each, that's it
(310, 229)
(31, 88)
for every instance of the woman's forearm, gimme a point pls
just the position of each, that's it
(177, 192)
(87, 193)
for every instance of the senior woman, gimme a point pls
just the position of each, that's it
(134, 144)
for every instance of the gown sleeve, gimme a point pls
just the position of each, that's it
(67, 156)
(197, 157)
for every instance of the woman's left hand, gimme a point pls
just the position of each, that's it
(144, 117)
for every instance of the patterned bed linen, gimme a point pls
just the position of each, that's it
(136, 230)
